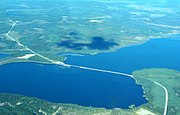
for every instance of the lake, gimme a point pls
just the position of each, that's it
(91, 88)
(70, 85)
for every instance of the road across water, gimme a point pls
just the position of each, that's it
(82, 67)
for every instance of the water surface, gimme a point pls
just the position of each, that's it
(70, 85)
(91, 88)
(3, 55)
(156, 53)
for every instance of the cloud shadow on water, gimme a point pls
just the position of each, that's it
(98, 43)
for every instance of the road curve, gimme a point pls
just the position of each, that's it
(166, 95)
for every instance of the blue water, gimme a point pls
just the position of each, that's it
(83, 87)
(90, 88)
(156, 53)
(3, 55)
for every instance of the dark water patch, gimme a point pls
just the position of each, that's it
(71, 45)
(156, 53)
(3, 55)
(70, 85)
(100, 44)
(76, 37)
(97, 43)
(73, 33)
